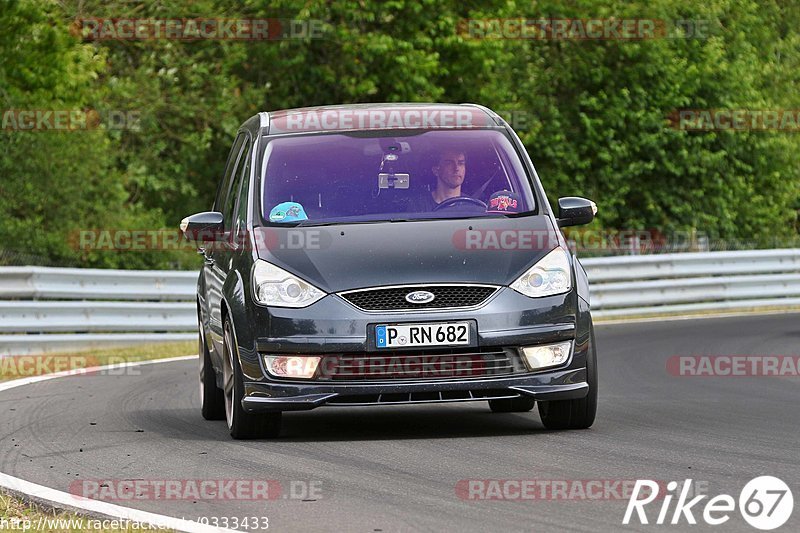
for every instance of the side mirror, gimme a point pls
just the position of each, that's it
(203, 227)
(574, 211)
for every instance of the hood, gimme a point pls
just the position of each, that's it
(353, 256)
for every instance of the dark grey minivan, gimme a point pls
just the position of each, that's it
(385, 254)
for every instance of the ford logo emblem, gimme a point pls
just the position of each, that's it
(419, 297)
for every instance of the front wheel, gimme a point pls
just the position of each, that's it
(575, 414)
(243, 425)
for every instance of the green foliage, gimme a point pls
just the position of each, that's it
(595, 111)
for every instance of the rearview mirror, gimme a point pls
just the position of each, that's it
(202, 227)
(574, 211)
(393, 181)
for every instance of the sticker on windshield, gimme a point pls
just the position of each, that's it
(287, 212)
(503, 202)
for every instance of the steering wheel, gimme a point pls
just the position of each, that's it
(459, 200)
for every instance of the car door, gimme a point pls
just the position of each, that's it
(215, 267)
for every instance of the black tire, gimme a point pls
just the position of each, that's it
(523, 404)
(575, 414)
(243, 425)
(212, 398)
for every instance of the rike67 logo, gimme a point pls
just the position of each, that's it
(765, 503)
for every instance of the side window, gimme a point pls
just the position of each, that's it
(230, 202)
(244, 192)
(225, 184)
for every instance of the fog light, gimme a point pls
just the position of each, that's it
(539, 357)
(291, 366)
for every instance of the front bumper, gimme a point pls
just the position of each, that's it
(508, 320)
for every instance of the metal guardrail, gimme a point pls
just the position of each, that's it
(46, 309)
(56, 309)
(93, 316)
(684, 265)
(96, 284)
(656, 285)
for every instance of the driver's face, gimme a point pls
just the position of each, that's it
(451, 169)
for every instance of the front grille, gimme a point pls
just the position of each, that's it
(420, 365)
(394, 298)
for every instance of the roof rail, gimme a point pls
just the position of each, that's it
(263, 117)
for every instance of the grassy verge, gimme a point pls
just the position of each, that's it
(145, 352)
(34, 365)
(18, 515)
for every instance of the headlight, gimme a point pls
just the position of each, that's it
(551, 275)
(539, 357)
(276, 287)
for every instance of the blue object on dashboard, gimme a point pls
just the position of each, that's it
(287, 212)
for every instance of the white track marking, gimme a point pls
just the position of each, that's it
(95, 507)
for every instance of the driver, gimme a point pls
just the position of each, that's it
(450, 169)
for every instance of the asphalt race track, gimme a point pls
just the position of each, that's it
(397, 468)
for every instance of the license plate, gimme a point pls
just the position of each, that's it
(410, 335)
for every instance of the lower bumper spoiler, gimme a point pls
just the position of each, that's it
(564, 385)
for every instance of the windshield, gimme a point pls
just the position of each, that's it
(379, 176)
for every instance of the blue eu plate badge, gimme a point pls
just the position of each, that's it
(380, 336)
